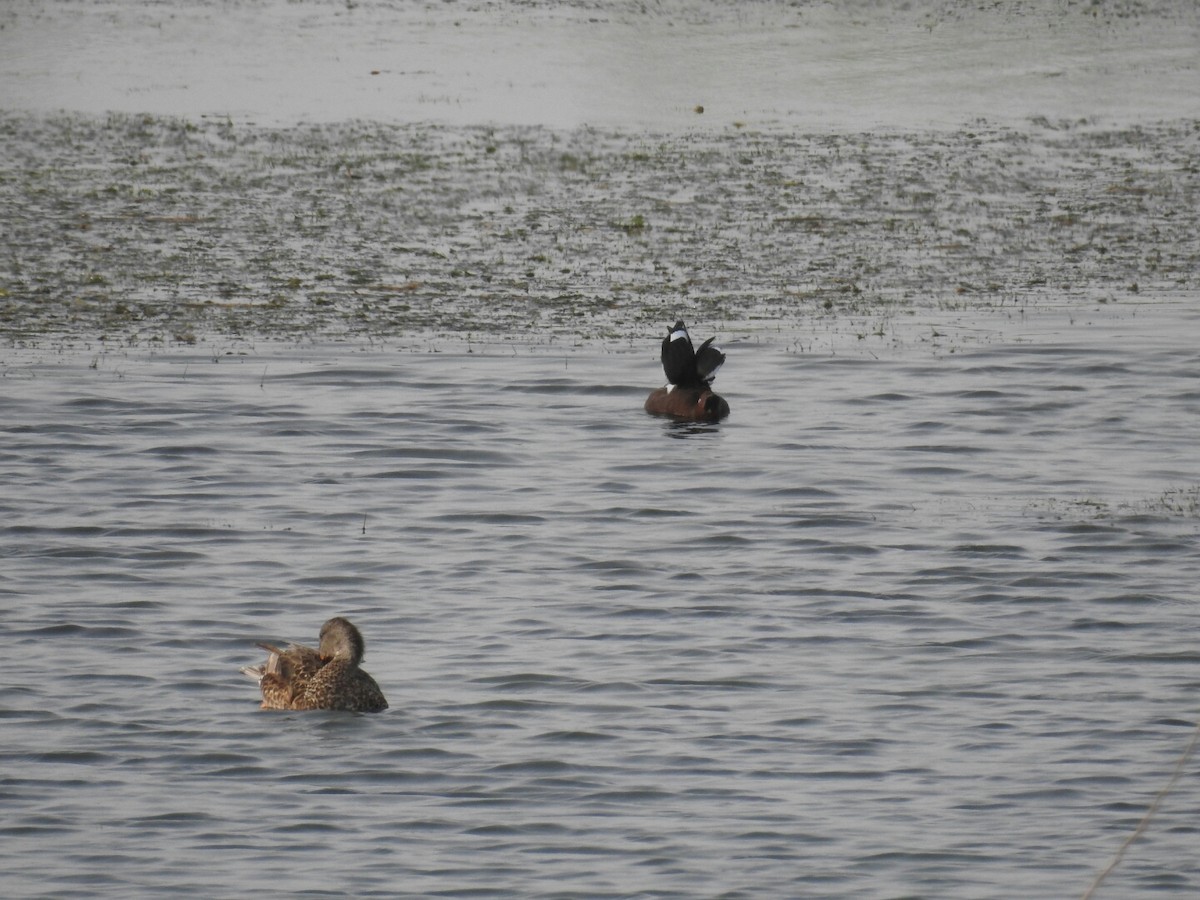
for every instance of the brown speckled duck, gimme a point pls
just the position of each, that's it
(326, 678)
(690, 372)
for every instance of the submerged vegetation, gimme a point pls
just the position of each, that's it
(144, 229)
(1175, 503)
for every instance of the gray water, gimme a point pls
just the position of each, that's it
(653, 65)
(917, 620)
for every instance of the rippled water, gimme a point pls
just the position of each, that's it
(917, 620)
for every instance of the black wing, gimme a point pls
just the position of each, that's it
(708, 360)
(678, 357)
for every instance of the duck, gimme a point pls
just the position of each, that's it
(329, 677)
(688, 394)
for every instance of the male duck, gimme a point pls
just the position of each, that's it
(326, 678)
(688, 394)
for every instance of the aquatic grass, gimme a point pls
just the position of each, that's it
(1171, 503)
(1178, 502)
(750, 226)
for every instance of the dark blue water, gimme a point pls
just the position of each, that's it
(918, 619)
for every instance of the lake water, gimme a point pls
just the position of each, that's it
(915, 620)
(311, 309)
(851, 64)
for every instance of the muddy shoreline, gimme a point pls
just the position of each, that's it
(139, 230)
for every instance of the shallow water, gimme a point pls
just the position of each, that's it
(914, 621)
(845, 65)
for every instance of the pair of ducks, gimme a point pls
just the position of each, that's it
(329, 677)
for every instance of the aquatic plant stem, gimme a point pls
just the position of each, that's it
(1157, 802)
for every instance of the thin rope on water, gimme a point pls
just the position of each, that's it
(1154, 805)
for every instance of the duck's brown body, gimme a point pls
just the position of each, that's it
(690, 404)
(326, 678)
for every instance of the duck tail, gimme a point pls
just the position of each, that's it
(270, 667)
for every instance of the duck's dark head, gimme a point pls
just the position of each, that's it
(341, 640)
(714, 406)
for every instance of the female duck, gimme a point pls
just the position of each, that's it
(688, 394)
(326, 678)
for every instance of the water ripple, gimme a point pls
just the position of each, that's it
(930, 639)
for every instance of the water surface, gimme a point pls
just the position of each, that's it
(846, 65)
(913, 621)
